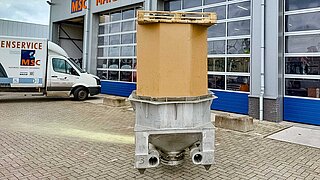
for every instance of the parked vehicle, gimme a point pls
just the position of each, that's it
(40, 67)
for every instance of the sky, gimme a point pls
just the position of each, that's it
(32, 11)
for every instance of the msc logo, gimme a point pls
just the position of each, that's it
(78, 5)
(28, 58)
(102, 2)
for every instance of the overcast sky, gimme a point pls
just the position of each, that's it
(33, 11)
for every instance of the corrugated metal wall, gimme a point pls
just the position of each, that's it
(21, 29)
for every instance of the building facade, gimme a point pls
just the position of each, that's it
(22, 29)
(263, 55)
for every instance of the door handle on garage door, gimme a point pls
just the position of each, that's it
(54, 76)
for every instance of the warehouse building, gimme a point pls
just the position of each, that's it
(22, 29)
(261, 48)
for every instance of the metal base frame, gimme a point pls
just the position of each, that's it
(165, 130)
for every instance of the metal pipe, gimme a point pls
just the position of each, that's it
(86, 37)
(154, 159)
(262, 71)
(50, 22)
(196, 155)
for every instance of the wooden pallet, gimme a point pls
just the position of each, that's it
(202, 18)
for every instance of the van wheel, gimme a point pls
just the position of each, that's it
(80, 94)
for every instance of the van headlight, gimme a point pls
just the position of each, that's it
(98, 81)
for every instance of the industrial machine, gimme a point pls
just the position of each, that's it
(172, 101)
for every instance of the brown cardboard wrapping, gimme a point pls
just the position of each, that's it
(172, 60)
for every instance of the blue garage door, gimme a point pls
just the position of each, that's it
(227, 101)
(117, 88)
(302, 110)
(231, 102)
(302, 61)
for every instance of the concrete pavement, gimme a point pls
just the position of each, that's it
(46, 138)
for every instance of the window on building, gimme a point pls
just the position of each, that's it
(301, 4)
(228, 41)
(103, 75)
(302, 48)
(208, 2)
(239, 46)
(216, 47)
(116, 16)
(238, 83)
(302, 22)
(191, 3)
(238, 28)
(217, 30)
(127, 51)
(126, 64)
(113, 75)
(303, 87)
(102, 52)
(303, 43)
(219, 10)
(126, 76)
(116, 46)
(114, 28)
(127, 38)
(172, 5)
(102, 63)
(216, 82)
(103, 40)
(114, 39)
(104, 18)
(128, 14)
(113, 64)
(303, 65)
(103, 29)
(239, 10)
(128, 26)
(238, 64)
(114, 51)
(216, 64)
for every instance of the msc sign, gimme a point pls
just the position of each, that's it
(78, 5)
(102, 2)
(28, 58)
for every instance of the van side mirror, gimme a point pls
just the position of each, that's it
(73, 72)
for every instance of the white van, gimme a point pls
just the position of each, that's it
(37, 66)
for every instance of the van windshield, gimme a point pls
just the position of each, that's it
(76, 65)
